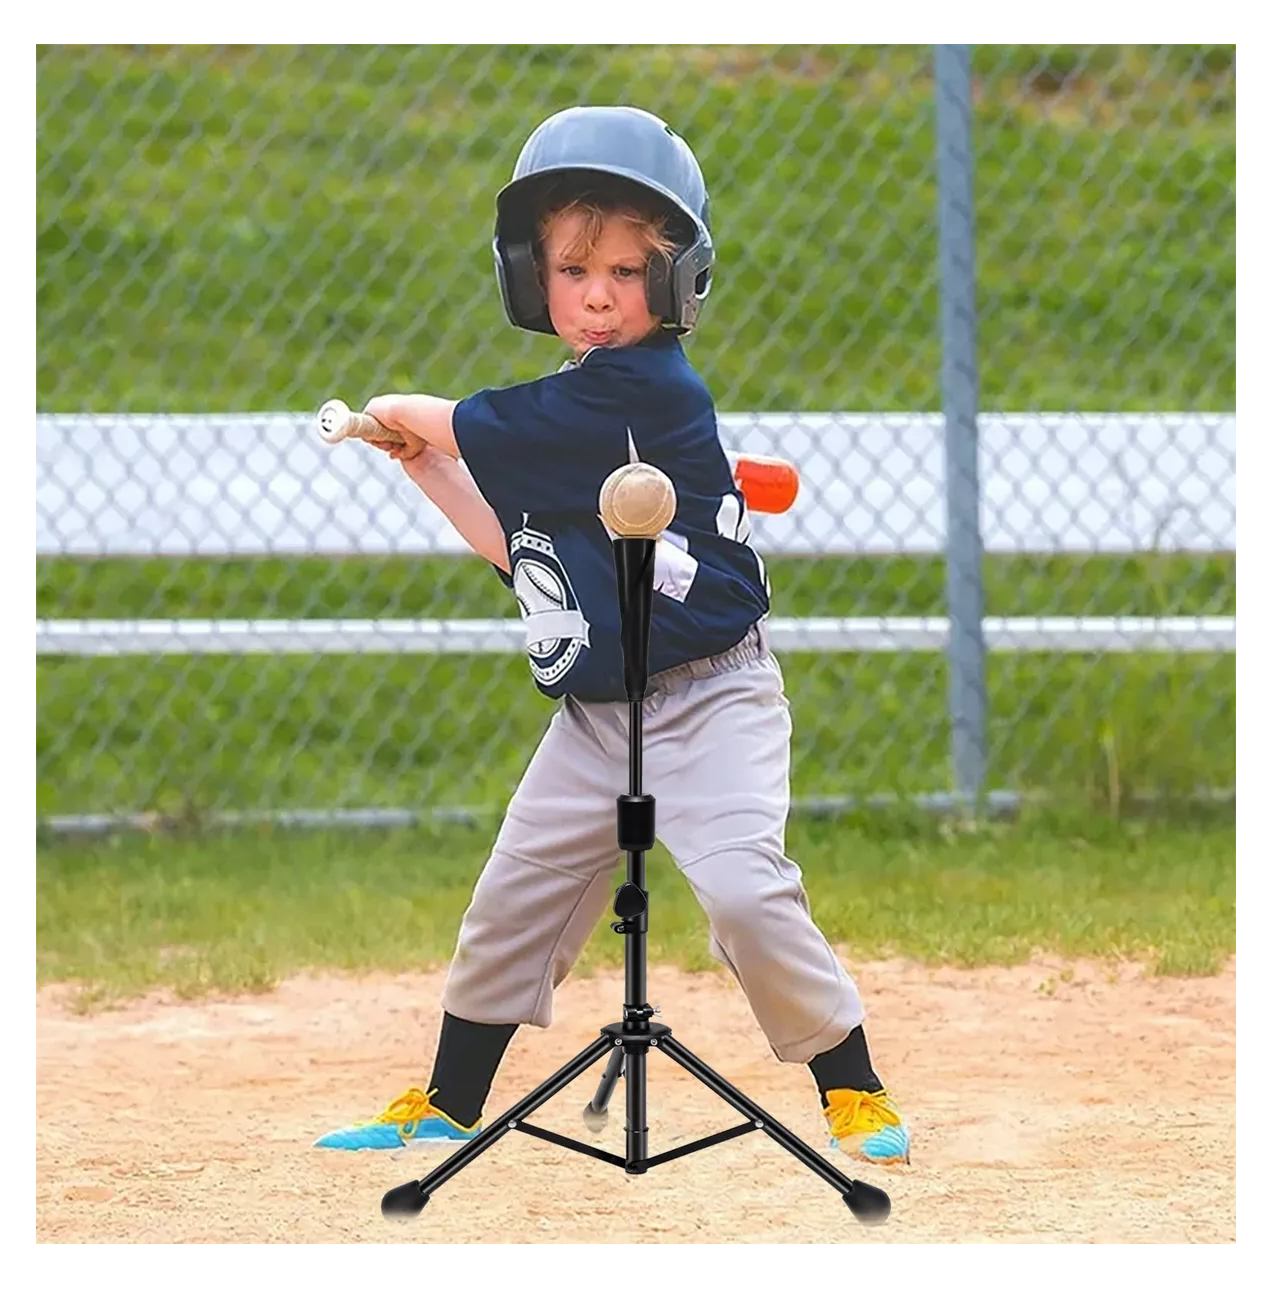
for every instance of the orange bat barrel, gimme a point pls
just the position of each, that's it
(768, 482)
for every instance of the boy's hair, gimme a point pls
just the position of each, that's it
(597, 206)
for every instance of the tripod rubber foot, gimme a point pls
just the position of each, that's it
(595, 1119)
(404, 1201)
(868, 1204)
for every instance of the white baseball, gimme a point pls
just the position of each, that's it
(637, 500)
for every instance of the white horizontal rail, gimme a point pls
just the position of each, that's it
(249, 484)
(104, 638)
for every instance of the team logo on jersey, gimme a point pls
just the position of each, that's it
(555, 627)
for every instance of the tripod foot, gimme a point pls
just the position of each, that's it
(595, 1119)
(404, 1201)
(869, 1204)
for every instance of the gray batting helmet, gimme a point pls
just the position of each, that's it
(571, 152)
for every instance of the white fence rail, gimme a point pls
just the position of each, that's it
(99, 638)
(247, 484)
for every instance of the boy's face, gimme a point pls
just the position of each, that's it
(598, 301)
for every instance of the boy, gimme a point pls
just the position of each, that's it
(602, 238)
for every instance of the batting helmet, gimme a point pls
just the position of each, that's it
(571, 152)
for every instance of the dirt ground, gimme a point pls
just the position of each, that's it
(1049, 1102)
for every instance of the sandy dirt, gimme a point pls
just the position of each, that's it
(1049, 1102)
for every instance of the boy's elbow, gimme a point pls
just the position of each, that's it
(447, 430)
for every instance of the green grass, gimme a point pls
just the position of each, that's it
(254, 228)
(236, 912)
(247, 228)
(244, 228)
(187, 734)
(460, 586)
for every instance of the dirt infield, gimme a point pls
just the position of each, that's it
(1055, 1101)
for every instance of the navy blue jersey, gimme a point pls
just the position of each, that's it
(540, 452)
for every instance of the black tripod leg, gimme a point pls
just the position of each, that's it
(595, 1115)
(407, 1200)
(866, 1202)
(636, 1133)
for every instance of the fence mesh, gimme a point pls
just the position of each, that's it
(229, 235)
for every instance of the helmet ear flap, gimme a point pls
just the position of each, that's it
(677, 286)
(659, 294)
(520, 286)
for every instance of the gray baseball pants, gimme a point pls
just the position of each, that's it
(716, 757)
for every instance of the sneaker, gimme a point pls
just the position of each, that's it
(865, 1125)
(412, 1119)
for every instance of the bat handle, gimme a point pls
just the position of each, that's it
(337, 422)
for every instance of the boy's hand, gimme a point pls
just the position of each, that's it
(386, 410)
(421, 421)
(408, 449)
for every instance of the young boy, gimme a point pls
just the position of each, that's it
(602, 238)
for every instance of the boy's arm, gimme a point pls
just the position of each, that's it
(425, 418)
(450, 486)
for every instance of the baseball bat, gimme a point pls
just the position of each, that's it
(769, 483)
(336, 422)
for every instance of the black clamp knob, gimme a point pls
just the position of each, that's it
(630, 906)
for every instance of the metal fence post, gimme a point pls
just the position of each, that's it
(966, 651)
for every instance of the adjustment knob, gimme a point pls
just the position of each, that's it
(630, 901)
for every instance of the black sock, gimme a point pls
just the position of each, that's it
(847, 1065)
(465, 1065)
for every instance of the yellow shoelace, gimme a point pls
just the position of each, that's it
(412, 1106)
(850, 1113)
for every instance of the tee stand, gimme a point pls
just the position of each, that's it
(628, 1042)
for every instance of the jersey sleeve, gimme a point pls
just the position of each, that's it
(548, 444)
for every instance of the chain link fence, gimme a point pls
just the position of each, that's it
(235, 620)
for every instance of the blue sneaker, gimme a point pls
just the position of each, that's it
(410, 1120)
(865, 1125)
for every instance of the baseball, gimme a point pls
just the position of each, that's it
(637, 500)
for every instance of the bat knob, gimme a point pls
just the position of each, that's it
(332, 416)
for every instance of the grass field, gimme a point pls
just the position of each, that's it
(188, 734)
(293, 217)
(237, 912)
(252, 228)
(459, 586)
(240, 229)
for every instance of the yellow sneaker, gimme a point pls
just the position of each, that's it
(411, 1119)
(865, 1125)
